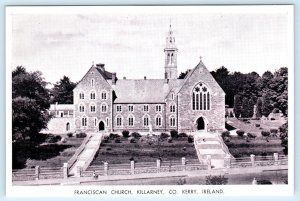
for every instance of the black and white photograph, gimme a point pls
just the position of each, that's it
(150, 100)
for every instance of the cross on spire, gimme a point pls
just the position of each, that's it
(200, 58)
(93, 63)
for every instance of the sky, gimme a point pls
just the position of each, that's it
(62, 41)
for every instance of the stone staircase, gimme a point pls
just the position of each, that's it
(87, 155)
(210, 144)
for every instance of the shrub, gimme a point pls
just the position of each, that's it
(216, 180)
(136, 135)
(181, 181)
(272, 119)
(257, 125)
(265, 133)
(81, 135)
(275, 110)
(174, 134)
(274, 130)
(182, 135)
(105, 139)
(251, 135)
(70, 134)
(227, 139)
(225, 134)
(190, 139)
(113, 136)
(264, 182)
(170, 140)
(52, 138)
(125, 133)
(118, 140)
(164, 135)
(131, 139)
(231, 114)
(240, 133)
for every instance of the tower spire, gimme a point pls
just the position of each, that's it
(170, 55)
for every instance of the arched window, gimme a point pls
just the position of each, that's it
(81, 95)
(103, 95)
(130, 120)
(172, 121)
(83, 121)
(103, 107)
(119, 120)
(146, 120)
(68, 126)
(95, 122)
(93, 95)
(81, 108)
(158, 121)
(201, 97)
(93, 107)
(172, 108)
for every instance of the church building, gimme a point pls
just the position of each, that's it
(104, 103)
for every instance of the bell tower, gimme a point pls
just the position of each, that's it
(170, 56)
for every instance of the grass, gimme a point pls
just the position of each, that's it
(27, 154)
(239, 147)
(265, 125)
(115, 153)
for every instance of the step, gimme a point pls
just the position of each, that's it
(209, 146)
(213, 156)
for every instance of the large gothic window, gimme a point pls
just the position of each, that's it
(201, 97)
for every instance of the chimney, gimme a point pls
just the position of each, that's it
(145, 78)
(124, 78)
(113, 78)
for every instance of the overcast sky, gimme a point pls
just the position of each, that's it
(130, 41)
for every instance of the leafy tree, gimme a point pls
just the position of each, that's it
(29, 104)
(267, 105)
(245, 107)
(63, 91)
(259, 107)
(183, 74)
(284, 137)
(237, 109)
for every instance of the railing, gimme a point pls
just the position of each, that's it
(37, 173)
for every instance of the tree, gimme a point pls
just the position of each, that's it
(259, 107)
(284, 137)
(245, 107)
(237, 109)
(267, 105)
(29, 104)
(183, 74)
(63, 91)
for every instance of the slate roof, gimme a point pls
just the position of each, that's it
(144, 90)
(107, 75)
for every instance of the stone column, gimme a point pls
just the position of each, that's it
(208, 161)
(79, 171)
(276, 159)
(37, 172)
(252, 158)
(227, 161)
(158, 164)
(132, 167)
(183, 162)
(65, 170)
(105, 168)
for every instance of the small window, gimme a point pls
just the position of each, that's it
(146, 108)
(158, 108)
(172, 122)
(146, 121)
(93, 95)
(93, 108)
(92, 82)
(84, 121)
(95, 122)
(119, 108)
(158, 121)
(172, 108)
(130, 108)
(104, 108)
(81, 95)
(130, 121)
(68, 126)
(81, 108)
(107, 121)
(103, 95)
(119, 121)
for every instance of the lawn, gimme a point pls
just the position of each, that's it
(28, 153)
(239, 147)
(115, 153)
(255, 126)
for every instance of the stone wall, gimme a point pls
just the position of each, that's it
(58, 125)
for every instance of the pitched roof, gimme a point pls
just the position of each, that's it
(106, 75)
(144, 91)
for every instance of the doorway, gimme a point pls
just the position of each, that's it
(200, 124)
(101, 126)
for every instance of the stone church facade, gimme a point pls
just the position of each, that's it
(104, 103)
